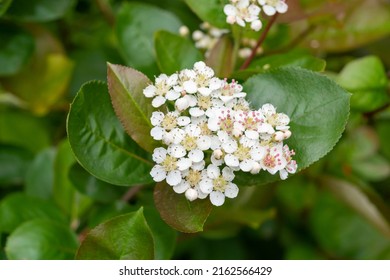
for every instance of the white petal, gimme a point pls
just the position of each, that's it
(168, 138)
(191, 194)
(190, 86)
(204, 143)
(231, 191)
(217, 162)
(158, 173)
(201, 195)
(157, 133)
(283, 174)
(174, 178)
(172, 80)
(182, 187)
(172, 95)
(226, 99)
(268, 109)
(258, 152)
(246, 165)
(206, 186)
(159, 155)
(196, 112)
(231, 160)
(281, 7)
(150, 91)
(251, 134)
(215, 83)
(228, 174)
(230, 146)
(266, 128)
(158, 101)
(183, 121)
(176, 151)
(177, 135)
(213, 171)
(256, 168)
(269, 10)
(261, 2)
(193, 130)
(181, 104)
(256, 25)
(157, 118)
(184, 164)
(192, 100)
(212, 124)
(204, 91)
(198, 165)
(230, 10)
(223, 136)
(196, 155)
(215, 143)
(217, 198)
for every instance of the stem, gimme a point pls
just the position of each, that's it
(131, 193)
(259, 42)
(106, 11)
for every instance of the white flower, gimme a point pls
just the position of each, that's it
(242, 12)
(270, 7)
(274, 160)
(218, 185)
(230, 91)
(166, 123)
(162, 90)
(166, 167)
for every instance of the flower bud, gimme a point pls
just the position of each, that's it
(181, 104)
(184, 31)
(287, 134)
(256, 168)
(218, 154)
(279, 136)
(191, 194)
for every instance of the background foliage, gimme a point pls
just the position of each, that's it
(104, 205)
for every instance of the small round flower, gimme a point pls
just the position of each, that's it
(274, 160)
(242, 12)
(270, 7)
(166, 167)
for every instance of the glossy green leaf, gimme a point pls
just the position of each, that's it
(367, 80)
(135, 27)
(344, 234)
(16, 48)
(125, 237)
(178, 212)
(39, 10)
(294, 58)
(18, 208)
(210, 11)
(131, 106)
(14, 162)
(318, 109)
(72, 202)
(164, 236)
(4, 5)
(40, 175)
(174, 52)
(41, 240)
(93, 187)
(17, 128)
(99, 142)
(221, 57)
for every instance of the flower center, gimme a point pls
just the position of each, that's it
(242, 153)
(204, 102)
(169, 122)
(202, 80)
(189, 143)
(193, 177)
(204, 129)
(219, 184)
(169, 163)
(272, 2)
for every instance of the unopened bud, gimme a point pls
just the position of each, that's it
(218, 154)
(287, 134)
(184, 31)
(191, 194)
(256, 168)
(279, 136)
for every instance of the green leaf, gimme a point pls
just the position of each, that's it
(65, 193)
(18, 208)
(293, 58)
(178, 212)
(383, 128)
(14, 162)
(131, 106)
(16, 48)
(93, 187)
(367, 80)
(125, 237)
(174, 52)
(40, 175)
(318, 109)
(4, 5)
(41, 240)
(135, 27)
(343, 234)
(221, 57)
(164, 236)
(17, 128)
(210, 11)
(39, 10)
(99, 142)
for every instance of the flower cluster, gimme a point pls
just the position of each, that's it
(208, 132)
(248, 11)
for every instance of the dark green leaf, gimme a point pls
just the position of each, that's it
(298, 59)
(4, 5)
(14, 162)
(18, 208)
(210, 11)
(125, 237)
(131, 106)
(93, 187)
(174, 52)
(366, 79)
(39, 10)
(221, 57)
(41, 240)
(318, 109)
(135, 27)
(16, 47)
(40, 175)
(178, 212)
(17, 128)
(99, 142)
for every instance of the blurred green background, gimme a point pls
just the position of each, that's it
(336, 209)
